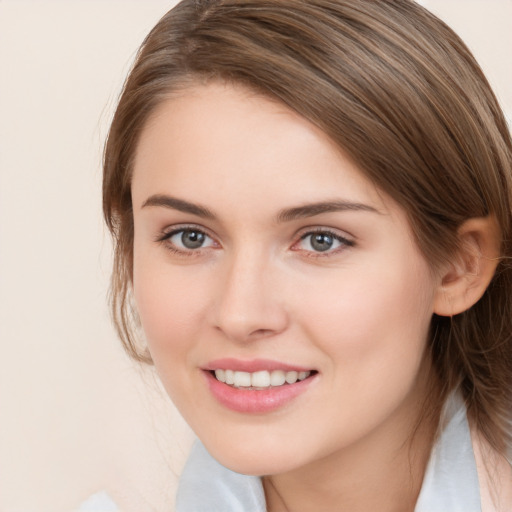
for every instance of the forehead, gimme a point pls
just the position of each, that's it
(220, 143)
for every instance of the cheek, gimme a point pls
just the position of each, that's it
(373, 329)
(373, 321)
(170, 307)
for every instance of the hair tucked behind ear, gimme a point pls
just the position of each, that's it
(401, 94)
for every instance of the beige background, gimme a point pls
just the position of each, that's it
(76, 415)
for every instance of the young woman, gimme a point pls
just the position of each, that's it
(311, 206)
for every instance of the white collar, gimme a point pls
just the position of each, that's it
(450, 483)
(451, 479)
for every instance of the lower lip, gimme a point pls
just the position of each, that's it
(254, 400)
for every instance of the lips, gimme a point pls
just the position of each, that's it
(256, 386)
(253, 365)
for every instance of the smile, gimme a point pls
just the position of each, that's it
(261, 379)
(257, 386)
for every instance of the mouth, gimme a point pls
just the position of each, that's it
(260, 380)
(257, 386)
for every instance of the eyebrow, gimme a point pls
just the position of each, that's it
(310, 210)
(178, 204)
(286, 215)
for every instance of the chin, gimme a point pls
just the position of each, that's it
(254, 467)
(255, 460)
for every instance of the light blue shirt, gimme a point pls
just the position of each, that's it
(450, 483)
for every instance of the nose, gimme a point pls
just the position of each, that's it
(249, 304)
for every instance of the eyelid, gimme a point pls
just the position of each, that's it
(344, 238)
(176, 228)
(167, 233)
(338, 233)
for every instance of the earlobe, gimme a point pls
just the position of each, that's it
(465, 279)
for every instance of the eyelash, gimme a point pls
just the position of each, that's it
(344, 242)
(165, 239)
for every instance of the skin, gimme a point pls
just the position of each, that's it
(358, 313)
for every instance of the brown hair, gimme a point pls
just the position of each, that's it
(401, 94)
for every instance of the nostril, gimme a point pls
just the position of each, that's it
(261, 333)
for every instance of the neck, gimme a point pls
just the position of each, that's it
(380, 472)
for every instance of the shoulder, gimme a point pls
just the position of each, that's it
(494, 475)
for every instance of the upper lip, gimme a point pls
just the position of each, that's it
(252, 365)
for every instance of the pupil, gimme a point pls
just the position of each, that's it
(192, 239)
(321, 242)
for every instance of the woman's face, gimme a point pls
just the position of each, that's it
(263, 252)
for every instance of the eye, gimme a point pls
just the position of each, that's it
(188, 239)
(322, 241)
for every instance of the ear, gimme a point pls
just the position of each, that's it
(465, 279)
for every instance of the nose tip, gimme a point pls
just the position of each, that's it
(249, 305)
(244, 329)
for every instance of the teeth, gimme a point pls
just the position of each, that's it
(261, 379)
(230, 377)
(242, 379)
(277, 378)
(291, 377)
